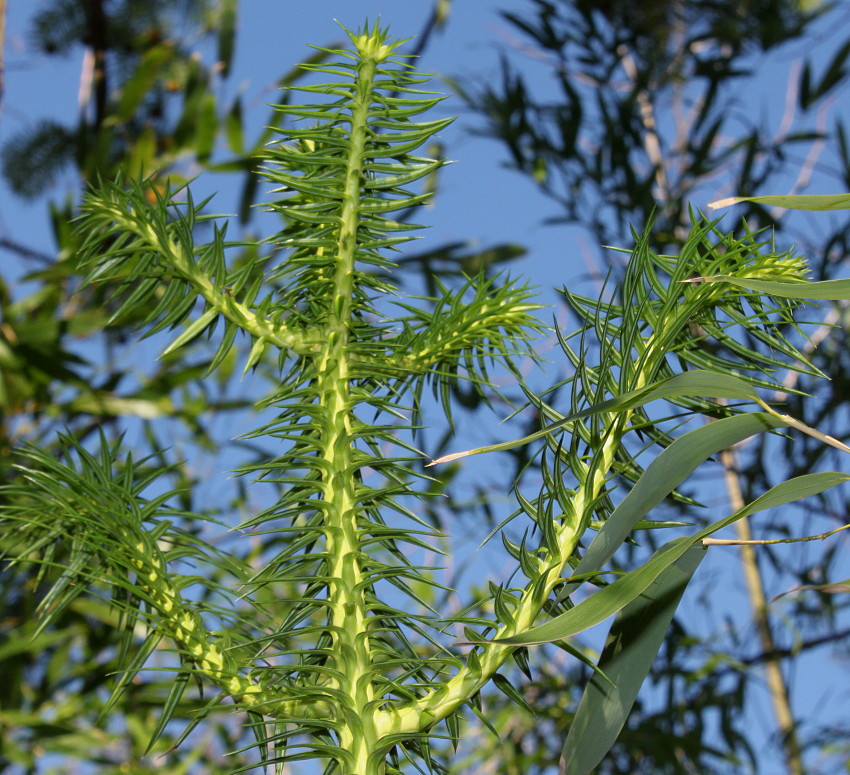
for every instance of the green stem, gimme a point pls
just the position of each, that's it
(470, 679)
(349, 614)
(219, 300)
(183, 625)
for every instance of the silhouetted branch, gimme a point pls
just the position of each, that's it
(24, 252)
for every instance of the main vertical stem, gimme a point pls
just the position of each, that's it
(348, 612)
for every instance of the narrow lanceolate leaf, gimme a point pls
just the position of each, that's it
(193, 330)
(102, 402)
(827, 290)
(234, 127)
(178, 688)
(226, 34)
(257, 350)
(662, 477)
(698, 383)
(613, 598)
(792, 202)
(833, 588)
(630, 649)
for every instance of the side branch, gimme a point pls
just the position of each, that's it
(456, 326)
(180, 622)
(770, 541)
(156, 237)
(481, 665)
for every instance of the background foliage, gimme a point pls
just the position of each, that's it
(151, 104)
(653, 111)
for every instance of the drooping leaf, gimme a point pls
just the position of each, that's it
(698, 383)
(831, 588)
(633, 642)
(790, 201)
(608, 600)
(234, 131)
(226, 34)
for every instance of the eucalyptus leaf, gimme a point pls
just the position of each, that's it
(698, 383)
(664, 475)
(791, 201)
(832, 290)
(616, 596)
(633, 642)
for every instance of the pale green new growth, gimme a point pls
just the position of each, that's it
(327, 664)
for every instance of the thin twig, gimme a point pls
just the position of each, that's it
(651, 140)
(24, 252)
(812, 156)
(797, 648)
(769, 541)
(758, 601)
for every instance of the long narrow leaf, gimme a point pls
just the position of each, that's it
(613, 598)
(178, 687)
(193, 330)
(663, 476)
(697, 383)
(827, 290)
(790, 201)
(631, 647)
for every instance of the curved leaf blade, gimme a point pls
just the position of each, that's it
(613, 598)
(826, 290)
(664, 475)
(630, 649)
(790, 201)
(699, 383)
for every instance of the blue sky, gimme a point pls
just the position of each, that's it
(478, 200)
